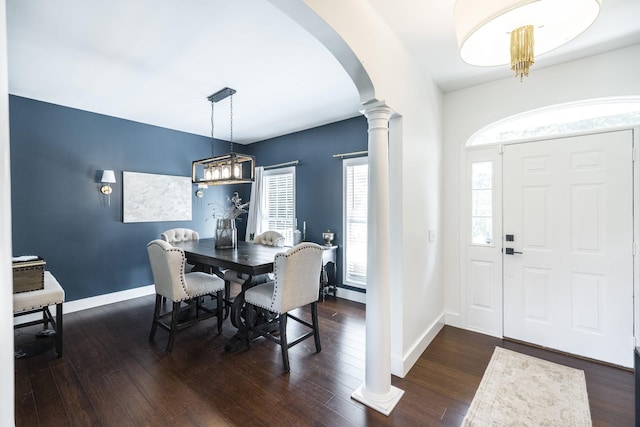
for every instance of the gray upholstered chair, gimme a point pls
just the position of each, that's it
(296, 273)
(268, 238)
(179, 235)
(175, 235)
(171, 282)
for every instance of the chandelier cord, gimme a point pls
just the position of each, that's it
(231, 124)
(212, 139)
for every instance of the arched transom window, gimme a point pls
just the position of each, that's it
(562, 119)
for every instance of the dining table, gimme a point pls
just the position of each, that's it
(251, 261)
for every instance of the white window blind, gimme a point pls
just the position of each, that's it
(279, 202)
(355, 180)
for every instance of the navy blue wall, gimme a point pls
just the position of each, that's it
(319, 174)
(58, 212)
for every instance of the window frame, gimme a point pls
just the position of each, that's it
(554, 121)
(473, 215)
(346, 277)
(291, 170)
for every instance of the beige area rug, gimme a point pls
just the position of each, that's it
(520, 390)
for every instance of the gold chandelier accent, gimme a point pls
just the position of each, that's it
(486, 35)
(522, 50)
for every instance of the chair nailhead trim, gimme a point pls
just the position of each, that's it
(275, 272)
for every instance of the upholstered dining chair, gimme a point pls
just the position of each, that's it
(268, 238)
(179, 235)
(175, 235)
(171, 282)
(296, 274)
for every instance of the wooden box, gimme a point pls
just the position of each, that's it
(28, 275)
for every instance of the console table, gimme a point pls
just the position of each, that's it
(329, 282)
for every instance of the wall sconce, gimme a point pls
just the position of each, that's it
(108, 178)
(200, 194)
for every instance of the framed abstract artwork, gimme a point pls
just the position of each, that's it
(154, 198)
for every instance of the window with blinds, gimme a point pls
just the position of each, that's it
(355, 180)
(278, 186)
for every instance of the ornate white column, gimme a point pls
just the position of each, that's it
(377, 391)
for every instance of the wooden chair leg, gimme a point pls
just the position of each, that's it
(219, 309)
(198, 305)
(314, 322)
(156, 314)
(45, 320)
(284, 346)
(227, 298)
(248, 310)
(59, 329)
(174, 326)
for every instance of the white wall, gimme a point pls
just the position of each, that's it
(415, 144)
(6, 280)
(415, 169)
(465, 111)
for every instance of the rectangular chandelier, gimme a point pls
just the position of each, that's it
(232, 168)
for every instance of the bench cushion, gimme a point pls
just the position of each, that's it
(50, 295)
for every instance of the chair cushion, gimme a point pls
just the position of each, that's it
(260, 295)
(269, 238)
(200, 283)
(51, 294)
(179, 235)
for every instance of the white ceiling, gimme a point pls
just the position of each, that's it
(156, 61)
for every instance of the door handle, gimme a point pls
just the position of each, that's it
(510, 251)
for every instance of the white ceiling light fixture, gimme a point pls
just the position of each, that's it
(232, 168)
(499, 32)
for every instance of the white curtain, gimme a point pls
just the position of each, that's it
(254, 218)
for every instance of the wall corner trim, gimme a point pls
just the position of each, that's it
(400, 367)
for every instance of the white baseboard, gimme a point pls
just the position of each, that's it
(351, 295)
(91, 302)
(97, 301)
(484, 332)
(401, 366)
(454, 319)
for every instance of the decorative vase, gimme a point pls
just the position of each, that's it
(226, 234)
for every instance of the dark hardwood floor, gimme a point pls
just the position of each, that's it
(111, 375)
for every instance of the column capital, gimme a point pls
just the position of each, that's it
(376, 110)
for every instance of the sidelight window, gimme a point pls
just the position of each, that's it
(482, 203)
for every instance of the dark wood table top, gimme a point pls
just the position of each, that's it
(246, 258)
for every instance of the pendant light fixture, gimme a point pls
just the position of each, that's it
(231, 168)
(499, 32)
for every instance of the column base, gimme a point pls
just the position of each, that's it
(381, 403)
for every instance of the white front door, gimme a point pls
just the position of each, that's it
(568, 217)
